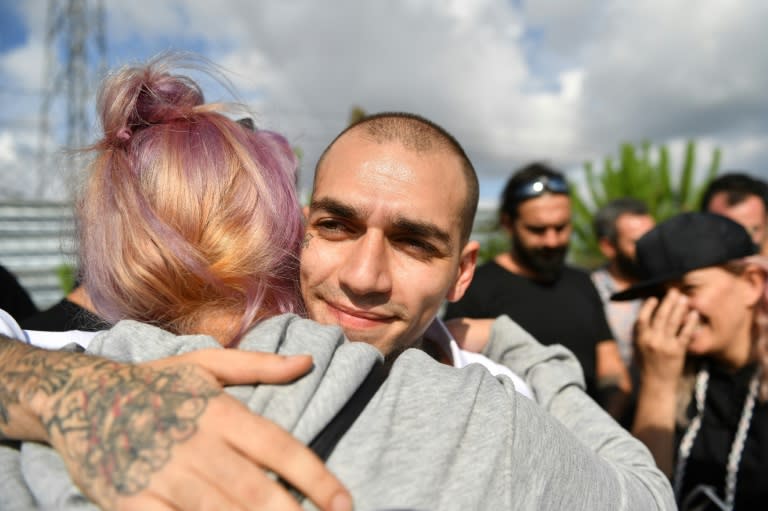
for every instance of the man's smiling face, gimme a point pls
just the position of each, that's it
(383, 244)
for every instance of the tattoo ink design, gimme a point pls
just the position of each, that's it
(307, 237)
(122, 426)
(115, 424)
(7, 398)
(33, 374)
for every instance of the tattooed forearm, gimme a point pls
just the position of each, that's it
(27, 374)
(8, 397)
(120, 428)
(113, 424)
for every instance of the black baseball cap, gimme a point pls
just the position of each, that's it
(683, 243)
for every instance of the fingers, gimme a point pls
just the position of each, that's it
(144, 502)
(646, 312)
(237, 484)
(677, 314)
(265, 444)
(661, 322)
(200, 486)
(224, 467)
(663, 331)
(666, 311)
(689, 327)
(237, 367)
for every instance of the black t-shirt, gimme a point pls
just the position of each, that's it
(567, 311)
(13, 298)
(723, 406)
(62, 317)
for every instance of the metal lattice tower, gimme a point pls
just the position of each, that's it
(75, 56)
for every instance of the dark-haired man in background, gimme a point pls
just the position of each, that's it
(743, 199)
(534, 286)
(618, 225)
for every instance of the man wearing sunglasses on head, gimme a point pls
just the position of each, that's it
(533, 285)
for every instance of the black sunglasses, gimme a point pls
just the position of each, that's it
(540, 186)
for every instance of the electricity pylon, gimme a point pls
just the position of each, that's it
(75, 53)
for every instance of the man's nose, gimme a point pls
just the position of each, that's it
(551, 238)
(366, 269)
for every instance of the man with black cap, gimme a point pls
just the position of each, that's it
(532, 284)
(702, 338)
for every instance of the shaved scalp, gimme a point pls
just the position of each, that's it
(420, 135)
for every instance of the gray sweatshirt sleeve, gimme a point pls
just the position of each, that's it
(557, 381)
(14, 494)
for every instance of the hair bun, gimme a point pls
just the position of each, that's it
(169, 97)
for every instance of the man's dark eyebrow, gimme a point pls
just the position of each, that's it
(424, 230)
(334, 207)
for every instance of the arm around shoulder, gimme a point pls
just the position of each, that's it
(557, 381)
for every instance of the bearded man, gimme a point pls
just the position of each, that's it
(618, 226)
(532, 283)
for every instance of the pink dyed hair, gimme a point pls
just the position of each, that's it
(186, 217)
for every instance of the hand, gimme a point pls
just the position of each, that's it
(164, 436)
(662, 334)
(470, 334)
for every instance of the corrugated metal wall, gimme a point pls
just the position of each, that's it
(36, 238)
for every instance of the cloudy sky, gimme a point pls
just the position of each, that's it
(559, 80)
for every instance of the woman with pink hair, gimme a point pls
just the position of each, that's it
(188, 220)
(703, 338)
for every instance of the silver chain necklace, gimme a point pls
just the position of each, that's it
(737, 447)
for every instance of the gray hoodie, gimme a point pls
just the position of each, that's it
(432, 437)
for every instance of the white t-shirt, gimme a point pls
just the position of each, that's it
(438, 332)
(48, 340)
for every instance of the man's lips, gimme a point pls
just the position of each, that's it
(350, 316)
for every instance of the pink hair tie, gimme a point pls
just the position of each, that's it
(124, 134)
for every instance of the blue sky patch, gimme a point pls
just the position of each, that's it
(13, 32)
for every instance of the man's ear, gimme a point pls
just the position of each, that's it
(465, 272)
(606, 248)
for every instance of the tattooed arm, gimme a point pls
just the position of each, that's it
(134, 436)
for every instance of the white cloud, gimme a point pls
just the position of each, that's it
(564, 80)
(7, 149)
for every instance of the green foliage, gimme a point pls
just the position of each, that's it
(356, 114)
(494, 243)
(636, 174)
(66, 275)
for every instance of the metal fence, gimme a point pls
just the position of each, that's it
(36, 240)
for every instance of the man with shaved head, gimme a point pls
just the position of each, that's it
(380, 253)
